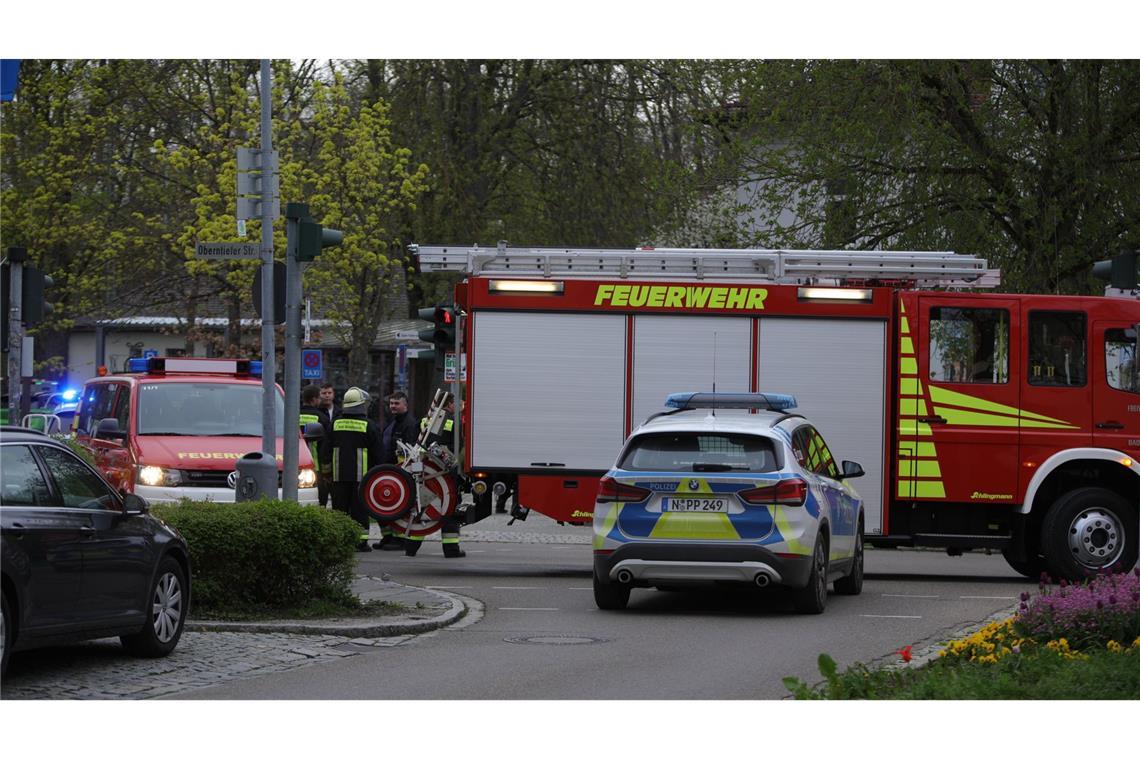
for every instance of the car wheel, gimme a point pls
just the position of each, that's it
(812, 598)
(167, 614)
(1088, 530)
(6, 631)
(610, 596)
(852, 584)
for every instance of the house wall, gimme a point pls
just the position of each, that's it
(120, 345)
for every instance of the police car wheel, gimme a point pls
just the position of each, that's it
(852, 583)
(1088, 530)
(812, 598)
(166, 613)
(610, 596)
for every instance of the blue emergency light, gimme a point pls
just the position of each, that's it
(774, 402)
(70, 394)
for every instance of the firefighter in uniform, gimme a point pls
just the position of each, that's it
(356, 446)
(449, 526)
(321, 450)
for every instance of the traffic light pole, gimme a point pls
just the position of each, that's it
(268, 333)
(291, 443)
(15, 334)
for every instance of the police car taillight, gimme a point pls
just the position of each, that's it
(791, 492)
(611, 490)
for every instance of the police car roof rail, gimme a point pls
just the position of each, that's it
(937, 268)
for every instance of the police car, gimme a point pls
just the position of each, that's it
(728, 488)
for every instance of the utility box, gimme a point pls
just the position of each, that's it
(256, 477)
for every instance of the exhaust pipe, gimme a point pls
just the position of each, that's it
(762, 580)
(624, 576)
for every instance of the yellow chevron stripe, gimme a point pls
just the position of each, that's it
(910, 386)
(943, 396)
(919, 468)
(608, 523)
(923, 489)
(912, 407)
(910, 449)
(906, 347)
(908, 366)
(905, 327)
(914, 428)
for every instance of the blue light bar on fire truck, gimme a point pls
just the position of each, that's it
(774, 402)
(158, 365)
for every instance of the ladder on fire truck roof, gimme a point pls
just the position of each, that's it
(943, 269)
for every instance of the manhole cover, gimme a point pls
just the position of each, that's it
(554, 640)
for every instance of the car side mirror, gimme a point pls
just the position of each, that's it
(109, 429)
(135, 505)
(852, 470)
(313, 431)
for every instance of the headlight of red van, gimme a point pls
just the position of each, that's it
(150, 475)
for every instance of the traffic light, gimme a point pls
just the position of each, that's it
(311, 237)
(314, 237)
(1120, 271)
(442, 332)
(34, 304)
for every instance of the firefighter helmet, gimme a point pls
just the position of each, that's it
(354, 398)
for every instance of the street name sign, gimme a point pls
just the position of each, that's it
(228, 251)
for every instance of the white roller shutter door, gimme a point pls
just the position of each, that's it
(548, 388)
(673, 354)
(836, 368)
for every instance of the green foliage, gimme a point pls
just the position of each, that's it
(247, 556)
(1042, 674)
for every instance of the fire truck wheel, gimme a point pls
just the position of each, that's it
(852, 584)
(812, 598)
(608, 595)
(1087, 530)
(1030, 568)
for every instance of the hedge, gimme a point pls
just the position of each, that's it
(253, 555)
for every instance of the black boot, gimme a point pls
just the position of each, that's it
(363, 546)
(389, 543)
(452, 550)
(411, 547)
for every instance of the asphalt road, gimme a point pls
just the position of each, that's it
(540, 636)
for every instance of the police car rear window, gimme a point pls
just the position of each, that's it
(700, 452)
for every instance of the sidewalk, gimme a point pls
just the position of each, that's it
(423, 609)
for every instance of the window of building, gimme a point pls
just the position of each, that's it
(969, 345)
(1058, 350)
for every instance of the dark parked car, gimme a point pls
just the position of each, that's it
(81, 560)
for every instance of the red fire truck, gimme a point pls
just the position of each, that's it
(983, 420)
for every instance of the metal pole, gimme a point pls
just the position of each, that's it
(289, 436)
(268, 336)
(15, 336)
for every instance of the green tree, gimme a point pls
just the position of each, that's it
(360, 182)
(1031, 164)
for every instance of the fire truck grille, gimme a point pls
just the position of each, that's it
(211, 478)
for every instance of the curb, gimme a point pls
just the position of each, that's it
(347, 627)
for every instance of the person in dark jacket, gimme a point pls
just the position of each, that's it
(320, 450)
(357, 444)
(401, 427)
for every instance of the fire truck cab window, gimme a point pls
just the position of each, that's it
(1058, 351)
(1120, 359)
(969, 345)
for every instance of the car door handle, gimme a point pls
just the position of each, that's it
(16, 530)
(935, 420)
(1110, 425)
(87, 531)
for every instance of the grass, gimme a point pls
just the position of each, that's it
(1073, 642)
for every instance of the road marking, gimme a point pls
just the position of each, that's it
(899, 617)
(911, 596)
(449, 587)
(1006, 598)
(530, 609)
(581, 588)
(517, 588)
